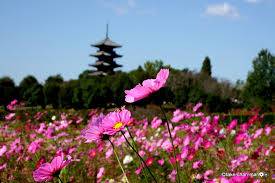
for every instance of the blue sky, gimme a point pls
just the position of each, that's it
(47, 37)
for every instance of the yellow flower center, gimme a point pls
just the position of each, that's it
(118, 125)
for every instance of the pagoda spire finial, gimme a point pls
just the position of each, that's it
(107, 30)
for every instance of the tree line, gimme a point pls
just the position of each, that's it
(184, 87)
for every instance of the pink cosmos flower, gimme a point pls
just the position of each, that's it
(156, 122)
(109, 153)
(178, 115)
(258, 133)
(92, 153)
(267, 130)
(34, 146)
(11, 106)
(161, 162)
(2, 167)
(10, 116)
(100, 173)
(94, 131)
(197, 106)
(47, 171)
(232, 125)
(3, 150)
(116, 121)
(197, 164)
(207, 173)
(172, 176)
(148, 87)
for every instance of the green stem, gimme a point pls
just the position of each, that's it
(121, 167)
(59, 179)
(172, 142)
(139, 157)
(135, 146)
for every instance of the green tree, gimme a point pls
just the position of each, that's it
(51, 90)
(34, 95)
(66, 93)
(152, 67)
(7, 90)
(206, 67)
(28, 89)
(260, 83)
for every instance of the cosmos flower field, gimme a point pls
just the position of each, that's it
(119, 145)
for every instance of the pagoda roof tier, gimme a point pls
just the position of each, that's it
(97, 73)
(105, 64)
(107, 42)
(106, 54)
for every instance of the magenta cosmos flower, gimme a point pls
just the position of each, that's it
(94, 131)
(147, 87)
(116, 121)
(47, 171)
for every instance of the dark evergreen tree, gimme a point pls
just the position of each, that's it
(8, 90)
(206, 67)
(25, 85)
(260, 83)
(51, 90)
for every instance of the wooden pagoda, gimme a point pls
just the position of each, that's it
(105, 55)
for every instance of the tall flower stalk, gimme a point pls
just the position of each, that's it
(172, 142)
(155, 180)
(121, 167)
(135, 146)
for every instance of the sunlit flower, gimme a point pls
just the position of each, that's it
(127, 159)
(3, 149)
(197, 106)
(116, 121)
(47, 171)
(197, 164)
(94, 131)
(147, 87)
(10, 116)
(100, 173)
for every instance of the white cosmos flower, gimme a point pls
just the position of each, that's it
(127, 159)
(53, 117)
(233, 132)
(222, 131)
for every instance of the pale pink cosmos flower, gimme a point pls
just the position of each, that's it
(100, 173)
(172, 176)
(258, 133)
(3, 150)
(186, 140)
(109, 153)
(197, 106)
(2, 167)
(47, 171)
(184, 152)
(178, 115)
(147, 87)
(35, 146)
(116, 121)
(207, 173)
(12, 105)
(197, 164)
(156, 122)
(267, 130)
(10, 116)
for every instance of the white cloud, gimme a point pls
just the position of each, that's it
(253, 1)
(123, 7)
(119, 7)
(224, 9)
